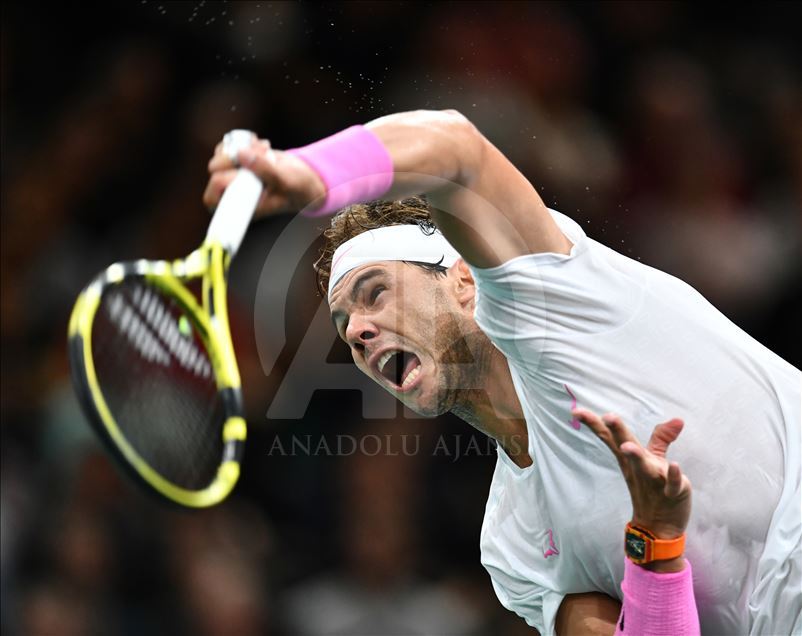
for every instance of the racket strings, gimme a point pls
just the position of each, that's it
(156, 376)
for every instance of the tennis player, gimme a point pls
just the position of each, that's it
(511, 317)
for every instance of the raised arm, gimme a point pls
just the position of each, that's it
(485, 206)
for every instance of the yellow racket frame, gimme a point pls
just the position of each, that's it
(210, 261)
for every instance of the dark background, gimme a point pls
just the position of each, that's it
(672, 132)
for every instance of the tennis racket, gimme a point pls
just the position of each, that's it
(154, 367)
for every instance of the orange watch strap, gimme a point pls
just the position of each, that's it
(665, 549)
(659, 549)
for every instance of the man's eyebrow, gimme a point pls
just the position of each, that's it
(363, 278)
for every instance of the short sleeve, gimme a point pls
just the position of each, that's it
(538, 606)
(531, 301)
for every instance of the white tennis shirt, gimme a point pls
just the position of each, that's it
(605, 332)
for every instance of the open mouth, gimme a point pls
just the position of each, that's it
(400, 368)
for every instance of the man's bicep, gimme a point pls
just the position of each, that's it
(496, 215)
(484, 206)
(590, 613)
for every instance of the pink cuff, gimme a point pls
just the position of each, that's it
(657, 603)
(353, 164)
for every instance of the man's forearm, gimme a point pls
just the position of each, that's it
(432, 151)
(484, 206)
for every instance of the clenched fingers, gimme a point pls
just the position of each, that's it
(217, 184)
(261, 160)
(222, 161)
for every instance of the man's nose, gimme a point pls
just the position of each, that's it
(359, 331)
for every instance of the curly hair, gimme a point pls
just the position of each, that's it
(359, 218)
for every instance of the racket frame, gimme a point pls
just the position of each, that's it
(210, 318)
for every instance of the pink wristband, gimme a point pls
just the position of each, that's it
(657, 603)
(353, 164)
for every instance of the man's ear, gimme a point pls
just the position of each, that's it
(464, 285)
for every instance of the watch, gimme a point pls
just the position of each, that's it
(641, 546)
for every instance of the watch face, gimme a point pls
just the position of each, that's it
(635, 546)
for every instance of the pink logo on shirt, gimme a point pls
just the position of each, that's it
(574, 422)
(552, 551)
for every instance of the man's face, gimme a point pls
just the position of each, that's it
(407, 330)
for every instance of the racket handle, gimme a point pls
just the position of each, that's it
(236, 207)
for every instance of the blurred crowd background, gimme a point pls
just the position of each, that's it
(671, 131)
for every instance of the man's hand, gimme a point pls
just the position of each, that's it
(483, 204)
(290, 184)
(660, 493)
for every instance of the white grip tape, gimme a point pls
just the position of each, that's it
(236, 207)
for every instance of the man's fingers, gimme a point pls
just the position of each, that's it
(216, 186)
(674, 481)
(663, 435)
(595, 424)
(221, 160)
(619, 430)
(641, 461)
(264, 146)
(261, 160)
(593, 421)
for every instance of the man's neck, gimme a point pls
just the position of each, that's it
(495, 409)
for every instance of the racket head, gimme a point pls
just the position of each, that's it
(156, 375)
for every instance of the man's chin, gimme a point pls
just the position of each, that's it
(425, 406)
(422, 411)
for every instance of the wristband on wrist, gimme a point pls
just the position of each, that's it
(641, 546)
(656, 604)
(354, 165)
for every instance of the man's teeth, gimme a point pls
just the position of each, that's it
(411, 376)
(385, 357)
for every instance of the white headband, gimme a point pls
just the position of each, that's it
(391, 243)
